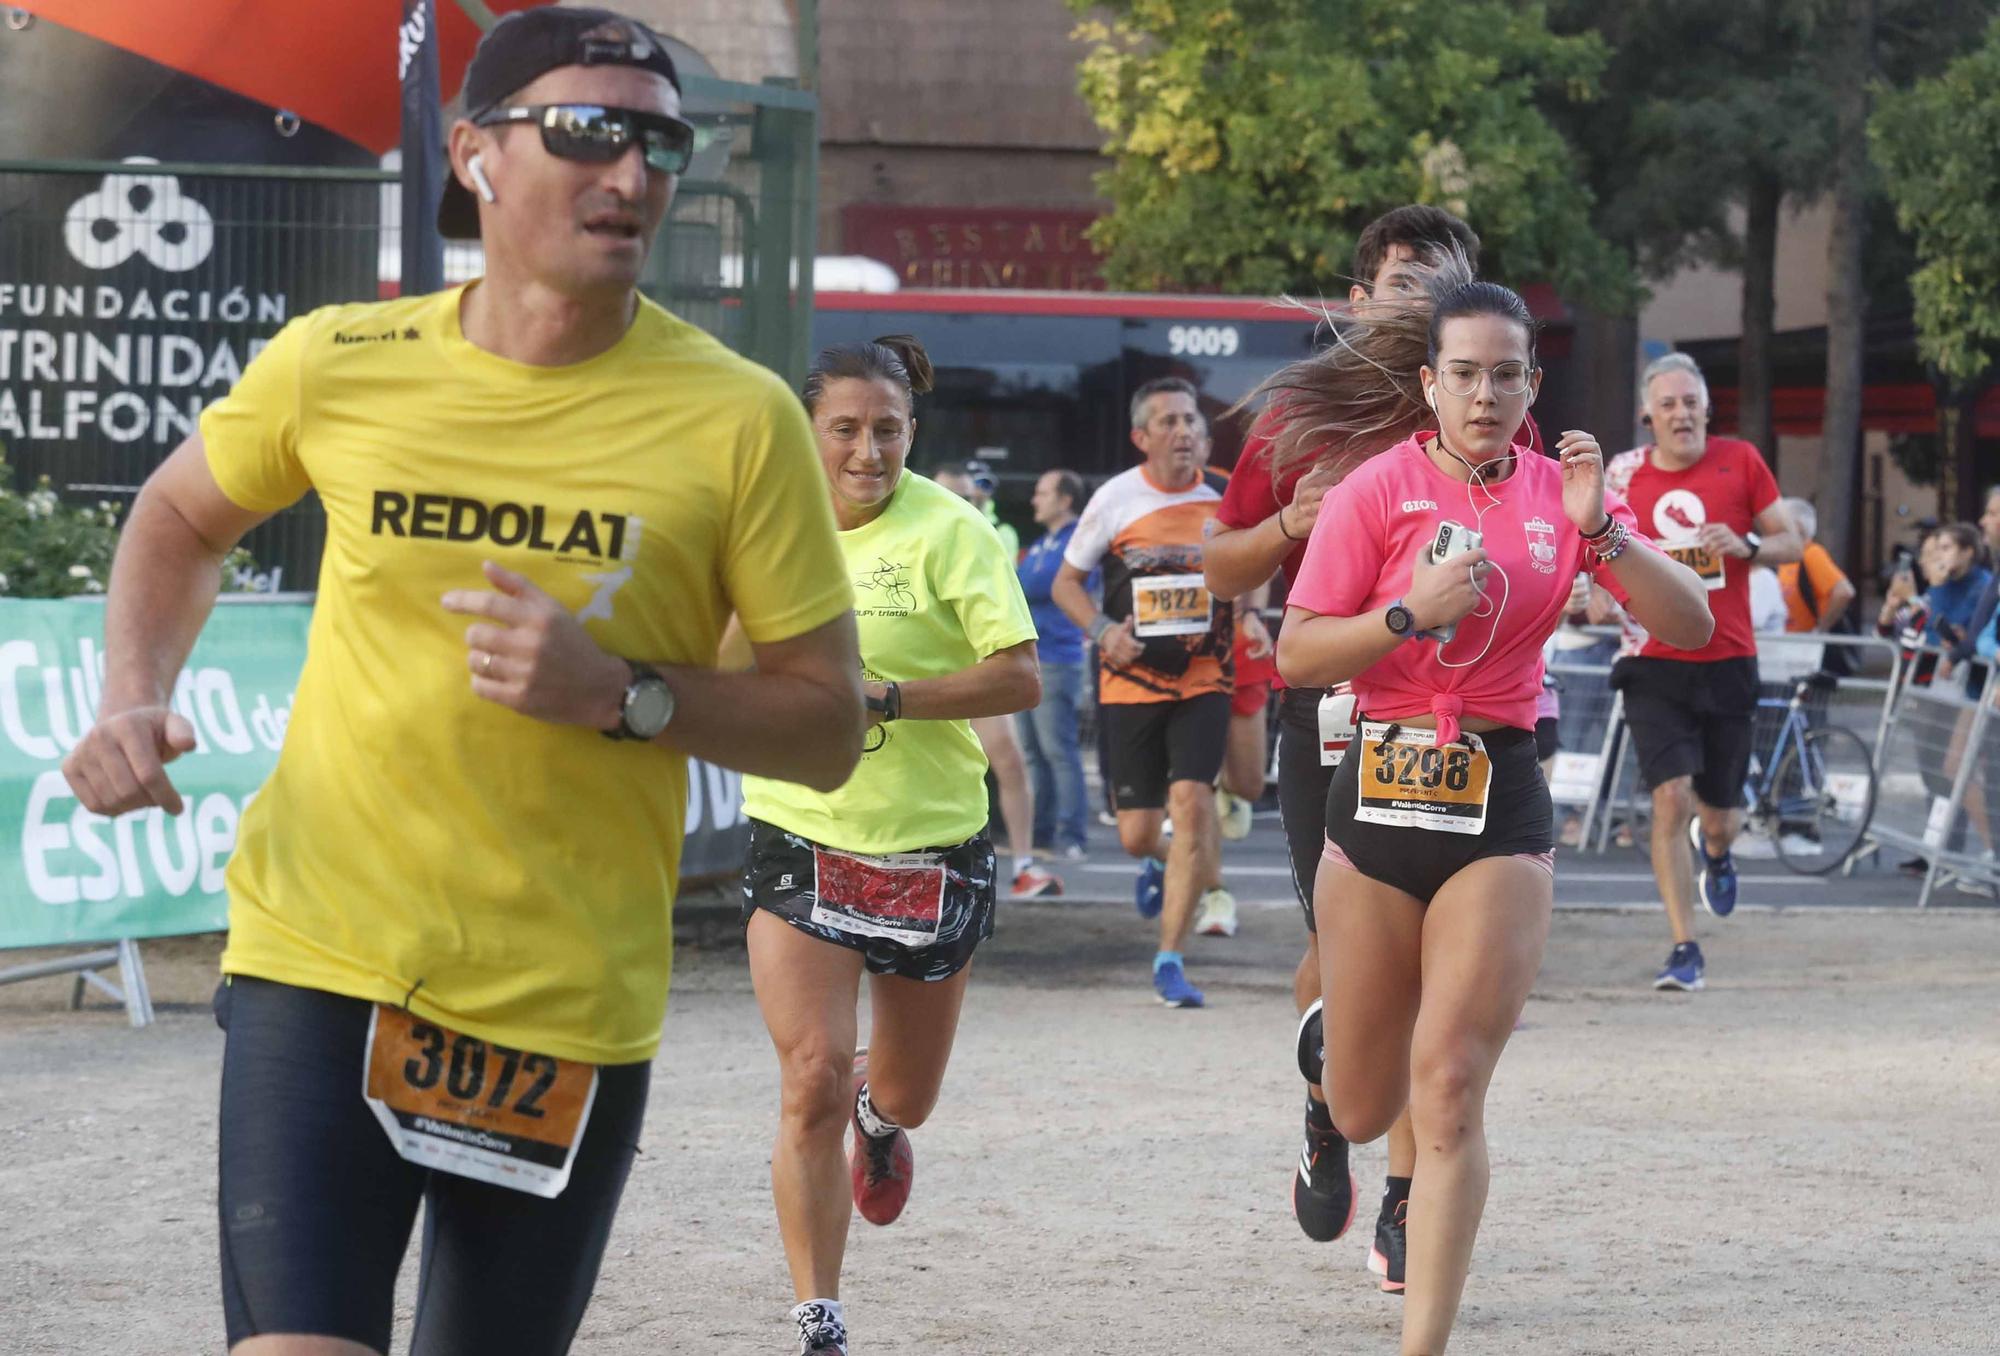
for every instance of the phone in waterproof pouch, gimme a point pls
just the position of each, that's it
(1453, 539)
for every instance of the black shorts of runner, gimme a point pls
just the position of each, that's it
(316, 1206)
(1302, 785)
(1548, 738)
(1152, 744)
(1520, 822)
(1692, 720)
(781, 878)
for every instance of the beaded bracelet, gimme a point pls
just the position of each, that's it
(1612, 545)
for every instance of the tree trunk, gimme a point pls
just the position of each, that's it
(1760, 307)
(1958, 473)
(1846, 294)
(1605, 377)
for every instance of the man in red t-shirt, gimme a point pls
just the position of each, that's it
(1712, 504)
(1259, 531)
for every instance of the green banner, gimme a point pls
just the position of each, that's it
(67, 875)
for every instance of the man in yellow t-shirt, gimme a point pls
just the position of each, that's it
(544, 497)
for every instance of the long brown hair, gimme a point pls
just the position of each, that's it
(1360, 394)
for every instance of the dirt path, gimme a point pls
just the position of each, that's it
(1804, 1159)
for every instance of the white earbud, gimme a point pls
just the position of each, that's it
(478, 173)
(1430, 395)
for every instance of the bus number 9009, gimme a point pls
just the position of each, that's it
(1202, 341)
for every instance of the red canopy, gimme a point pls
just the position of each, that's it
(332, 62)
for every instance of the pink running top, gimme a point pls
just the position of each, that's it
(1363, 552)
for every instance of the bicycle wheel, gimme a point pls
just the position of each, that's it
(1821, 796)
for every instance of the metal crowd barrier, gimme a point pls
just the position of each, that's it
(1938, 778)
(1596, 773)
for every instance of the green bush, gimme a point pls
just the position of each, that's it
(50, 548)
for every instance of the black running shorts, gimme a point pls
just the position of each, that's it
(1154, 743)
(1302, 786)
(877, 914)
(1693, 720)
(316, 1206)
(1520, 822)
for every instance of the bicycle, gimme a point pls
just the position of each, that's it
(1817, 796)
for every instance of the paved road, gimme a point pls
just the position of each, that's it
(1256, 870)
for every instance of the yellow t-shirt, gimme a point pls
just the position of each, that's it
(935, 593)
(509, 878)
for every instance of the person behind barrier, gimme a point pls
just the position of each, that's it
(1165, 646)
(1817, 591)
(450, 906)
(891, 874)
(1049, 733)
(1258, 536)
(1989, 600)
(1711, 503)
(1956, 581)
(1018, 804)
(1436, 885)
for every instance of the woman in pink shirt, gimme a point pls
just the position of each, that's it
(1435, 891)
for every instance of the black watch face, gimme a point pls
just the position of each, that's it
(1399, 620)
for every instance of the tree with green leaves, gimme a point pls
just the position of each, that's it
(1937, 144)
(1251, 140)
(1717, 106)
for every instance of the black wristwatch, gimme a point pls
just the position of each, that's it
(1401, 621)
(647, 706)
(1754, 542)
(889, 705)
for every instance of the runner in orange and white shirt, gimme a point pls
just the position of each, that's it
(1166, 664)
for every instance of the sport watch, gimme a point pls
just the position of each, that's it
(647, 706)
(1754, 542)
(1401, 621)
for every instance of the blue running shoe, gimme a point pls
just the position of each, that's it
(1170, 982)
(1684, 969)
(1151, 890)
(1718, 877)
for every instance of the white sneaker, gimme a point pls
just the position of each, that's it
(1215, 914)
(1235, 813)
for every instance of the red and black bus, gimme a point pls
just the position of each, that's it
(1028, 381)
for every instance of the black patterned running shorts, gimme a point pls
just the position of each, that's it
(916, 914)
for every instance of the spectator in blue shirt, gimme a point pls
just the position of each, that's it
(1957, 579)
(1049, 732)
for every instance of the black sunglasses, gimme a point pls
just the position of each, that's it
(597, 135)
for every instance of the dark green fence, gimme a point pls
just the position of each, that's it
(133, 294)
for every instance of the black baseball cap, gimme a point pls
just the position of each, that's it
(528, 44)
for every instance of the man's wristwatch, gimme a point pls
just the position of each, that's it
(647, 706)
(1754, 542)
(1401, 621)
(889, 705)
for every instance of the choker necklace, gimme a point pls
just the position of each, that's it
(1481, 472)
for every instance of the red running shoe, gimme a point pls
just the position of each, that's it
(881, 1169)
(1034, 882)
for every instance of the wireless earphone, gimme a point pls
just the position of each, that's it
(1431, 397)
(478, 173)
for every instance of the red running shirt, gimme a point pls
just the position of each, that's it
(1730, 485)
(1363, 553)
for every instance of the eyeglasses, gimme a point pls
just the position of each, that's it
(596, 135)
(1462, 379)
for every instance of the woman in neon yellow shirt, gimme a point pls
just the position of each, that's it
(893, 873)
